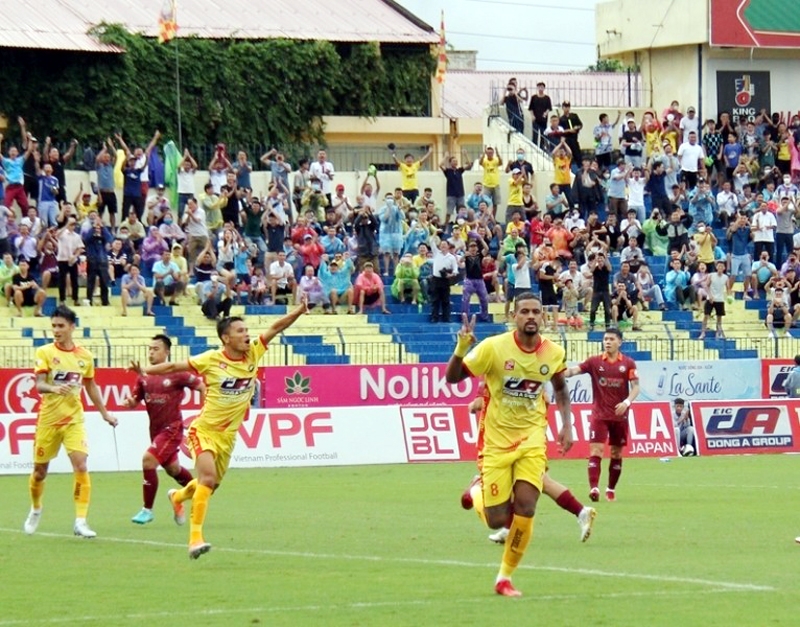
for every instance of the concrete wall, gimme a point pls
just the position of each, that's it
(625, 25)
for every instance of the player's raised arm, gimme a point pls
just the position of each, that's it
(97, 400)
(561, 390)
(466, 337)
(281, 324)
(168, 367)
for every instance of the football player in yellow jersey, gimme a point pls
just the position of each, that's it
(408, 174)
(62, 370)
(512, 455)
(229, 373)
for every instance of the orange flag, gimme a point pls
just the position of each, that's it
(167, 22)
(441, 66)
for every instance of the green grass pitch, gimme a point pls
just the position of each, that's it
(705, 541)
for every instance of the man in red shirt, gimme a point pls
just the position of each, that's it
(615, 385)
(162, 396)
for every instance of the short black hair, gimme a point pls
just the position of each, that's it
(525, 296)
(164, 340)
(680, 401)
(225, 324)
(613, 331)
(62, 311)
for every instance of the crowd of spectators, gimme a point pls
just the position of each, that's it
(663, 186)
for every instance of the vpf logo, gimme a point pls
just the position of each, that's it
(20, 396)
(745, 90)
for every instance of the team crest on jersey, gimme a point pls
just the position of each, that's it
(81, 363)
(223, 365)
(56, 361)
(167, 383)
(622, 368)
(509, 365)
(250, 368)
(544, 369)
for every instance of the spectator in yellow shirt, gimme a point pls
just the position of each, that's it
(515, 185)
(491, 162)
(84, 204)
(562, 160)
(408, 174)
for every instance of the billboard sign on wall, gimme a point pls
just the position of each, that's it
(753, 24)
(743, 94)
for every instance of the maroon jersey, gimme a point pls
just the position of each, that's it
(162, 395)
(610, 383)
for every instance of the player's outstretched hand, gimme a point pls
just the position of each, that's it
(112, 420)
(303, 302)
(467, 329)
(136, 367)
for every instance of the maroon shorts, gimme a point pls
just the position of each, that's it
(615, 431)
(166, 443)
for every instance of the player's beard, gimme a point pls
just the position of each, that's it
(530, 329)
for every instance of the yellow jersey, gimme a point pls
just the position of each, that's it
(515, 191)
(516, 411)
(408, 175)
(562, 170)
(229, 386)
(491, 171)
(68, 367)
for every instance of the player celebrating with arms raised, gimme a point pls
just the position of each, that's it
(62, 369)
(162, 396)
(512, 451)
(229, 374)
(615, 385)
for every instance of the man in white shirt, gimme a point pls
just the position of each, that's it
(281, 278)
(727, 203)
(323, 170)
(445, 267)
(579, 282)
(690, 155)
(632, 254)
(186, 174)
(194, 224)
(690, 123)
(718, 289)
(763, 226)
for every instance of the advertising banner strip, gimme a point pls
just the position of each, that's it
(736, 427)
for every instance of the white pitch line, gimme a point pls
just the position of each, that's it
(362, 605)
(430, 562)
(705, 486)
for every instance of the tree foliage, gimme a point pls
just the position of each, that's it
(236, 91)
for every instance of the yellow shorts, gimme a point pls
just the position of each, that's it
(501, 469)
(48, 441)
(218, 443)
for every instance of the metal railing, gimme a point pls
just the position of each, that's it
(370, 352)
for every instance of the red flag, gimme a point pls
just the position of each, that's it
(441, 65)
(167, 22)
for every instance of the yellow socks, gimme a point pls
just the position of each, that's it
(81, 494)
(186, 492)
(519, 536)
(199, 506)
(36, 489)
(476, 492)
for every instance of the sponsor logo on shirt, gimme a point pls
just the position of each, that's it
(517, 387)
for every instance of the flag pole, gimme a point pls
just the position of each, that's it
(178, 94)
(177, 75)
